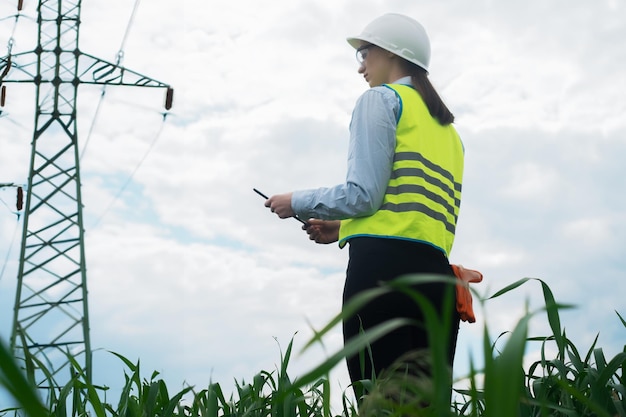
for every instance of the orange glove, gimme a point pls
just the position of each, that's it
(463, 294)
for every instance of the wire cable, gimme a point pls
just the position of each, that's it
(10, 44)
(131, 20)
(132, 175)
(120, 55)
(11, 38)
(93, 123)
(6, 259)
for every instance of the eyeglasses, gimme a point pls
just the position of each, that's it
(361, 53)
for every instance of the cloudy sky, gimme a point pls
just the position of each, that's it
(190, 273)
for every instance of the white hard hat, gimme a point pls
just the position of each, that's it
(398, 34)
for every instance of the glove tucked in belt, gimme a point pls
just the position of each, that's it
(463, 294)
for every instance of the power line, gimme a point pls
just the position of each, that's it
(18, 206)
(120, 55)
(10, 44)
(132, 175)
(6, 259)
(52, 277)
(93, 123)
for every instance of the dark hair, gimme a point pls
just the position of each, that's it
(436, 106)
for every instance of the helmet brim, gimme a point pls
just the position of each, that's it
(355, 42)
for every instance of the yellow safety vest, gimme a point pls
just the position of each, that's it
(424, 192)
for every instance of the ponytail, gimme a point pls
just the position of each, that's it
(436, 106)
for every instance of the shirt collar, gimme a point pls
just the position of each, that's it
(404, 80)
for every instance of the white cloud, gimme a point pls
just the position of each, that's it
(187, 269)
(591, 232)
(530, 181)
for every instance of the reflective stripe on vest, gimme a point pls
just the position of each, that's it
(423, 196)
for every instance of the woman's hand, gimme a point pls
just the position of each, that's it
(322, 231)
(281, 205)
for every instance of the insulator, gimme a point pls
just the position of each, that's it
(20, 3)
(6, 69)
(3, 95)
(169, 98)
(20, 198)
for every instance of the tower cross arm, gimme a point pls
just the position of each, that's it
(72, 68)
(94, 70)
(86, 69)
(9, 62)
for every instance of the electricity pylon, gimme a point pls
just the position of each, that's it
(51, 314)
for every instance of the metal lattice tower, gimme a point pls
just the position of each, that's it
(51, 315)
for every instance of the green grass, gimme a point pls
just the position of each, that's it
(570, 384)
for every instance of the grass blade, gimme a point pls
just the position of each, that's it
(12, 378)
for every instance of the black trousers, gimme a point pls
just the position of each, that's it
(376, 260)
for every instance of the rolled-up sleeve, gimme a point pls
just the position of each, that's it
(370, 158)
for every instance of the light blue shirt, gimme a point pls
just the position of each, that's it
(370, 159)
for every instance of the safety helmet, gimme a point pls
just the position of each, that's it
(398, 34)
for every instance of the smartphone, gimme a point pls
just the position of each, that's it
(266, 197)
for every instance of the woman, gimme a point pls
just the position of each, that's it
(399, 206)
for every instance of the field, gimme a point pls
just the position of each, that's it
(576, 382)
